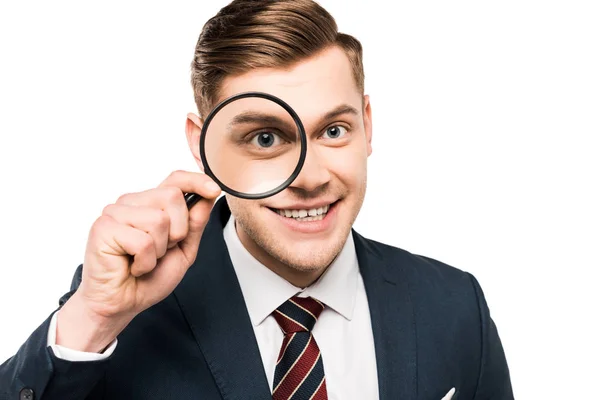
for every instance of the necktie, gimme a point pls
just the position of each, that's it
(299, 373)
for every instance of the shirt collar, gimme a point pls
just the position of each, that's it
(264, 290)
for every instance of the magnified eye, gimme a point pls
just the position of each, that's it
(335, 132)
(266, 139)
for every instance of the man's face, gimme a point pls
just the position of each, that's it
(333, 178)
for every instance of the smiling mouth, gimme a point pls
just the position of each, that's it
(304, 215)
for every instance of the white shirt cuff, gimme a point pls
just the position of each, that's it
(67, 354)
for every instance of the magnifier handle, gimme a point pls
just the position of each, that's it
(191, 199)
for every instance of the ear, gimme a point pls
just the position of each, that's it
(193, 127)
(368, 124)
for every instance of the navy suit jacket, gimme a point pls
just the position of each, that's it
(431, 325)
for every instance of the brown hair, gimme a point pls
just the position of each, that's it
(249, 34)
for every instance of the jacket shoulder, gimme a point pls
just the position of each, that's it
(419, 269)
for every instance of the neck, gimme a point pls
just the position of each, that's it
(296, 277)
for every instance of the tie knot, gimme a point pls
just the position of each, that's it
(298, 314)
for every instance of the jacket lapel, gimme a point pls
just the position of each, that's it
(392, 320)
(212, 302)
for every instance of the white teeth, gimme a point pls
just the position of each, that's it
(313, 214)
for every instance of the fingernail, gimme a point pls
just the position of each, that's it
(212, 187)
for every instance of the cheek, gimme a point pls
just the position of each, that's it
(238, 207)
(348, 163)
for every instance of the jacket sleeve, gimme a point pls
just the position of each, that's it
(34, 372)
(494, 377)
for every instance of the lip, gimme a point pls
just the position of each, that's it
(310, 227)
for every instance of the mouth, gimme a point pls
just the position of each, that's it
(305, 215)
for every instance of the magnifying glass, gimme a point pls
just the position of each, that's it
(253, 145)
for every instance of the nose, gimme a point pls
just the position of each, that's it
(314, 173)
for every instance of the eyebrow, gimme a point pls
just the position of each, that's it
(340, 110)
(250, 117)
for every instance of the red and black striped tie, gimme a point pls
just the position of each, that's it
(299, 373)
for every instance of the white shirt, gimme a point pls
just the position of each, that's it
(343, 331)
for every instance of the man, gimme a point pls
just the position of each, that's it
(238, 301)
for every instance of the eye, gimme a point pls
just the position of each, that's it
(266, 139)
(335, 132)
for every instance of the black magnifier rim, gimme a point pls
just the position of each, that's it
(299, 126)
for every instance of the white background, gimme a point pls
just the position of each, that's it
(486, 130)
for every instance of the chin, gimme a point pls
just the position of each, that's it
(307, 253)
(304, 257)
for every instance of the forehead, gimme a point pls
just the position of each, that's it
(312, 87)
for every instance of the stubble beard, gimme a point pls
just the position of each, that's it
(295, 256)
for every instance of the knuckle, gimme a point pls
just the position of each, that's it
(159, 227)
(173, 194)
(198, 223)
(145, 244)
(175, 176)
(124, 198)
(178, 235)
(177, 173)
(161, 220)
(100, 225)
(179, 231)
(108, 210)
(160, 252)
(102, 222)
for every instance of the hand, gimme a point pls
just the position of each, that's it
(138, 250)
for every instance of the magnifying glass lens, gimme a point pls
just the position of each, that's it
(252, 145)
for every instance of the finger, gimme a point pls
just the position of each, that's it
(169, 271)
(153, 221)
(193, 182)
(202, 184)
(169, 199)
(169, 196)
(198, 218)
(123, 240)
(172, 267)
